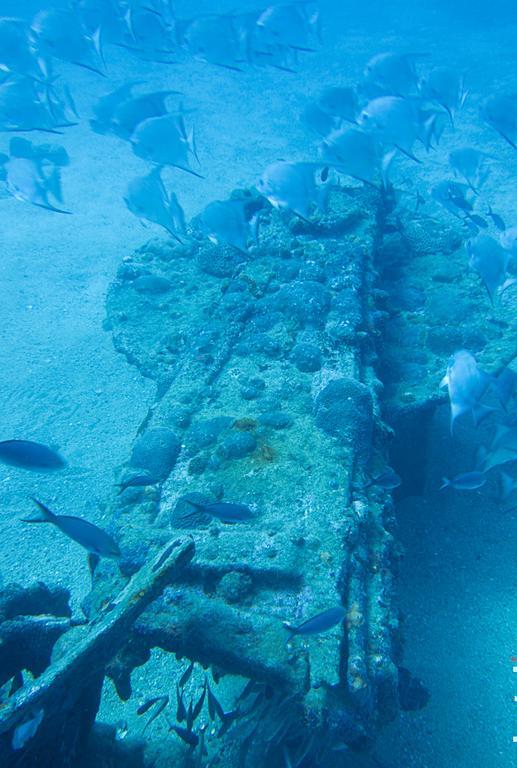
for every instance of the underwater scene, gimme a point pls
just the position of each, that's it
(258, 322)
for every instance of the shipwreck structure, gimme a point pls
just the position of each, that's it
(270, 369)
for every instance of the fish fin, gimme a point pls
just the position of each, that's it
(445, 483)
(44, 515)
(191, 141)
(480, 412)
(507, 138)
(93, 562)
(481, 457)
(96, 40)
(507, 486)
(386, 162)
(408, 154)
(49, 207)
(444, 382)
(507, 283)
(289, 628)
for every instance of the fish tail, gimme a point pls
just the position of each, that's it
(445, 483)
(44, 515)
(289, 628)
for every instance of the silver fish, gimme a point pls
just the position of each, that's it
(152, 35)
(215, 40)
(164, 141)
(489, 259)
(106, 106)
(22, 107)
(110, 16)
(318, 121)
(148, 199)
(499, 111)
(294, 25)
(466, 481)
(33, 175)
(16, 53)
(262, 48)
(397, 122)
(89, 536)
(353, 152)
(508, 240)
(445, 86)
(390, 74)
(508, 485)
(503, 448)
(319, 623)
(231, 221)
(466, 384)
(471, 164)
(130, 113)
(292, 186)
(340, 102)
(60, 34)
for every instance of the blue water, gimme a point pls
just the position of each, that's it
(278, 352)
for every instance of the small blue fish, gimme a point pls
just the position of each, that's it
(496, 219)
(224, 511)
(453, 196)
(89, 536)
(319, 623)
(466, 481)
(29, 455)
(389, 480)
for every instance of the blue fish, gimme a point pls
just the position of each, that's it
(29, 455)
(224, 511)
(465, 481)
(319, 623)
(93, 539)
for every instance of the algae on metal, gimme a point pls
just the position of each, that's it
(266, 396)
